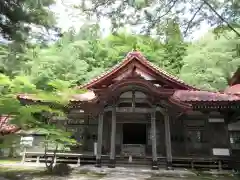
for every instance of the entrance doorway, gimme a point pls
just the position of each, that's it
(134, 133)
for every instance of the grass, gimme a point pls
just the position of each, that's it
(18, 172)
(15, 173)
(9, 160)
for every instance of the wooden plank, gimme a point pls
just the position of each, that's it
(51, 153)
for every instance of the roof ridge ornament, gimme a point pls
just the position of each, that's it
(135, 47)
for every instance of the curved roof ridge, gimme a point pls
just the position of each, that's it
(175, 78)
(193, 95)
(105, 73)
(140, 57)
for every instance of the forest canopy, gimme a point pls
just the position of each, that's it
(78, 57)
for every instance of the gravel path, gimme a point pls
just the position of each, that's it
(118, 173)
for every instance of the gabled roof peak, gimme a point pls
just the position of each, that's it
(137, 55)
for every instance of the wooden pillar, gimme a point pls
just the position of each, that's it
(154, 140)
(168, 141)
(133, 101)
(85, 131)
(113, 139)
(99, 140)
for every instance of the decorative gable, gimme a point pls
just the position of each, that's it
(135, 64)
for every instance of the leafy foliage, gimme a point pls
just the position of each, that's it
(19, 17)
(80, 57)
(36, 117)
(211, 61)
(151, 16)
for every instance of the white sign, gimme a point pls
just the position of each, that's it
(95, 148)
(26, 141)
(221, 152)
(216, 120)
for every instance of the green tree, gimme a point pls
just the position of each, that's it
(13, 58)
(36, 116)
(211, 61)
(150, 16)
(79, 57)
(23, 23)
(175, 47)
(19, 17)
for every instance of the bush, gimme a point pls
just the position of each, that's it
(62, 169)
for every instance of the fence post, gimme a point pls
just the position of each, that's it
(24, 155)
(78, 161)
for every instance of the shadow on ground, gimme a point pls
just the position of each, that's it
(39, 173)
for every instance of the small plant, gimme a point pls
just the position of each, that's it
(61, 169)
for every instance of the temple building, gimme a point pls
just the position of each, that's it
(137, 111)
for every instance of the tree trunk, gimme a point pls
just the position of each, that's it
(52, 161)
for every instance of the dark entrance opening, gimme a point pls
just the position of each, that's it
(134, 133)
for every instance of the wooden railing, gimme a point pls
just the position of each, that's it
(133, 149)
(84, 158)
(60, 157)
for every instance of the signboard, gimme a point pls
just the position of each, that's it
(216, 120)
(221, 152)
(26, 141)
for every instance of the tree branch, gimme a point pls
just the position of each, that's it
(154, 22)
(193, 17)
(221, 18)
(170, 8)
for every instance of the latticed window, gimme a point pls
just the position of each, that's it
(235, 139)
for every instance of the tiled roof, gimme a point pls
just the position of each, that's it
(87, 96)
(138, 56)
(195, 96)
(5, 127)
(233, 89)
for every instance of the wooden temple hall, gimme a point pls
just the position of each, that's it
(138, 112)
